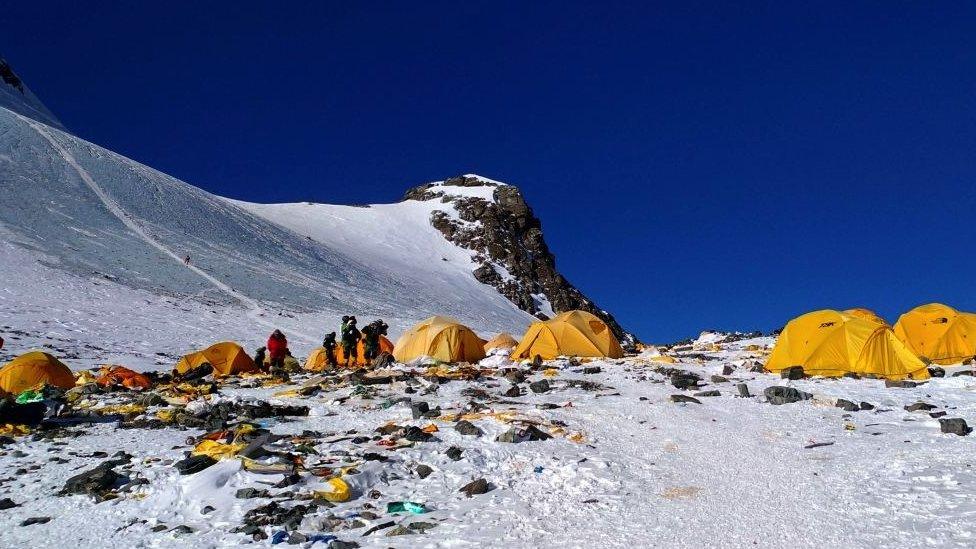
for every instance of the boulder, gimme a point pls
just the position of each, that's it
(475, 487)
(468, 429)
(685, 380)
(920, 407)
(541, 386)
(785, 395)
(528, 434)
(847, 405)
(955, 426)
(793, 372)
(684, 399)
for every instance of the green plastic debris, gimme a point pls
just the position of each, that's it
(406, 506)
(29, 396)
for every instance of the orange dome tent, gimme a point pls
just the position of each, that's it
(441, 338)
(574, 333)
(34, 369)
(226, 357)
(386, 346)
(316, 361)
(503, 340)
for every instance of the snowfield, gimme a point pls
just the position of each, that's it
(626, 468)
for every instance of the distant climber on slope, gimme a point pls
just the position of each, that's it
(329, 344)
(277, 348)
(350, 338)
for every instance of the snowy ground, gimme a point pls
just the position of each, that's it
(647, 472)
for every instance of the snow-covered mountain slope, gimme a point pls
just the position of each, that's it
(82, 217)
(92, 212)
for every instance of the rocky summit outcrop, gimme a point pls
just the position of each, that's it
(493, 220)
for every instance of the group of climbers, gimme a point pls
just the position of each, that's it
(350, 337)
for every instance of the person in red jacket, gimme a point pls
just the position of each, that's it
(277, 348)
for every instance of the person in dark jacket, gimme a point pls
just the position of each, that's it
(371, 339)
(277, 348)
(350, 338)
(329, 344)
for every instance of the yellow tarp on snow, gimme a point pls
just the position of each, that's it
(441, 338)
(575, 333)
(33, 369)
(938, 333)
(226, 357)
(831, 343)
(503, 340)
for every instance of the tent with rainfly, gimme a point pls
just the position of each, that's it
(503, 340)
(442, 338)
(226, 357)
(938, 333)
(32, 370)
(574, 333)
(833, 343)
(317, 361)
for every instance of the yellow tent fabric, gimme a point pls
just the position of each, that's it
(442, 338)
(832, 343)
(34, 369)
(316, 361)
(574, 333)
(503, 340)
(226, 357)
(938, 333)
(866, 314)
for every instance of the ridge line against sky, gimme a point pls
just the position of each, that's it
(694, 165)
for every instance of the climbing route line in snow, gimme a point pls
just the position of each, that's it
(254, 308)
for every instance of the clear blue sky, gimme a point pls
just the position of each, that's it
(694, 165)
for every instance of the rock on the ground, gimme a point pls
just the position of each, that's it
(785, 395)
(955, 426)
(475, 487)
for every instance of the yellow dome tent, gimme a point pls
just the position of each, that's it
(831, 343)
(866, 314)
(442, 338)
(34, 369)
(316, 361)
(574, 333)
(226, 357)
(503, 340)
(938, 333)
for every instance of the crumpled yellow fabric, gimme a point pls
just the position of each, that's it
(15, 430)
(85, 377)
(166, 415)
(217, 450)
(120, 409)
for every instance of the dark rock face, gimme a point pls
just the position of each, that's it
(9, 77)
(507, 236)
